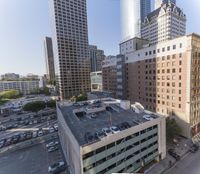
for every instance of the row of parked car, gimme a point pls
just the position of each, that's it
(25, 122)
(23, 136)
(107, 131)
(58, 166)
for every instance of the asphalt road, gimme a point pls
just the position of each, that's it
(188, 165)
(33, 160)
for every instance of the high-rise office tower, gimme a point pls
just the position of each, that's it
(158, 3)
(96, 58)
(145, 8)
(71, 53)
(133, 13)
(164, 23)
(49, 59)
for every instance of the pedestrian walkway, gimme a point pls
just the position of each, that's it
(181, 147)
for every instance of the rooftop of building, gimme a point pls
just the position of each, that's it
(86, 118)
(164, 6)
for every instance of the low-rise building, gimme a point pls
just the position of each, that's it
(96, 81)
(24, 87)
(108, 136)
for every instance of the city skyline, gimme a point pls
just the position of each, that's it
(22, 48)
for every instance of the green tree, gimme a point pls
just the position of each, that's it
(34, 106)
(81, 97)
(172, 129)
(51, 104)
(12, 94)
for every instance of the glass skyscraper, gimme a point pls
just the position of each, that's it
(133, 13)
(145, 8)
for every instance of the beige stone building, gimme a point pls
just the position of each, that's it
(166, 78)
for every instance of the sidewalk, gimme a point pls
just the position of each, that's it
(181, 148)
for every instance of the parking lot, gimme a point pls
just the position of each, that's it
(32, 160)
(23, 140)
(27, 126)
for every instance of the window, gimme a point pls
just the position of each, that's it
(179, 92)
(181, 45)
(180, 55)
(163, 49)
(100, 150)
(174, 70)
(110, 145)
(174, 47)
(87, 155)
(179, 69)
(180, 62)
(179, 105)
(179, 84)
(168, 48)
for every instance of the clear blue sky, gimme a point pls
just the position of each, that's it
(24, 24)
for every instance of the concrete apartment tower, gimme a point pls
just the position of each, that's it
(70, 41)
(133, 13)
(158, 3)
(49, 59)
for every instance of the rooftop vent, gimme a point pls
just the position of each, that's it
(137, 108)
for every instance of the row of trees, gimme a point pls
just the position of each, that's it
(41, 91)
(39, 105)
(80, 97)
(12, 94)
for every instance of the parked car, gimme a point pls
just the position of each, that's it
(107, 131)
(2, 142)
(22, 136)
(174, 154)
(8, 142)
(2, 128)
(34, 134)
(100, 134)
(40, 133)
(56, 126)
(51, 129)
(52, 148)
(115, 129)
(194, 148)
(15, 138)
(52, 143)
(28, 135)
(57, 167)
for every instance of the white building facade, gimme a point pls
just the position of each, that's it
(165, 23)
(24, 87)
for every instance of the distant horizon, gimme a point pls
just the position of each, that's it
(22, 31)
